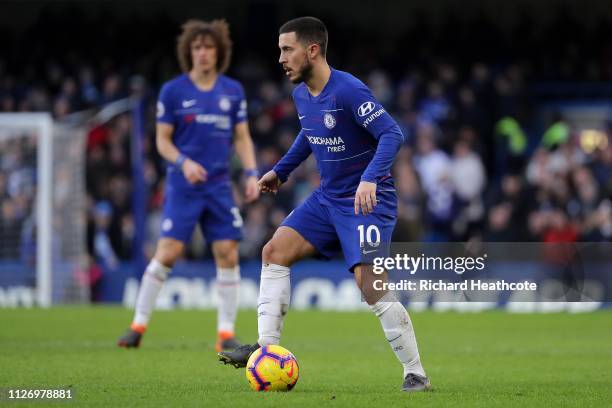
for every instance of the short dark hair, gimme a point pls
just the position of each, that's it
(218, 30)
(308, 30)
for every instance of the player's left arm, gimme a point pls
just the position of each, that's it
(243, 144)
(245, 150)
(371, 115)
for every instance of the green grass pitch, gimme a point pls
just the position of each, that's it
(491, 359)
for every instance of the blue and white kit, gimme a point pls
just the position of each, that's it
(353, 139)
(204, 123)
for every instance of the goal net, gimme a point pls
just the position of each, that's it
(42, 212)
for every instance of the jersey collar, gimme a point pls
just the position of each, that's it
(325, 88)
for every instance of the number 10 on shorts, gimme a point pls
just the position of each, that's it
(371, 235)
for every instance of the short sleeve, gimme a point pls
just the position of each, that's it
(240, 110)
(366, 111)
(165, 106)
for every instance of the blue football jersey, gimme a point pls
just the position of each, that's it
(204, 123)
(341, 127)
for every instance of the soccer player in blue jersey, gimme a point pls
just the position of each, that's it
(354, 141)
(200, 115)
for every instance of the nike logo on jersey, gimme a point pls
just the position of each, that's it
(301, 117)
(189, 103)
(369, 252)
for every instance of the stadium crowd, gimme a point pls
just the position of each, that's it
(477, 162)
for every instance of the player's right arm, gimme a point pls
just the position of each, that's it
(193, 171)
(299, 151)
(164, 131)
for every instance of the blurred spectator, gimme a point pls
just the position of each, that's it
(112, 90)
(410, 202)
(509, 208)
(254, 231)
(10, 230)
(381, 87)
(434, 169)
(436, 106)
(557, 134)
(510, 145)
(559, 228)
(469, 182)
(470, 112)
(103, 250)
(89, 91)
(602, 167)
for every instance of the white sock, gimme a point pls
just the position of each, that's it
(152, 281)
(273, 302)
(228, 286)
(399, 333)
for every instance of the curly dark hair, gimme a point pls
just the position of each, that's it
(218, 30)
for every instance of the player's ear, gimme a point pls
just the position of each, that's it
(313, 50)
(309, 51)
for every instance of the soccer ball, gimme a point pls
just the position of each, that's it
(272, 368)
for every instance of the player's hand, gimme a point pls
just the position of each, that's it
(194, 172)
(365, 198)
(251, 191)
(269, 183)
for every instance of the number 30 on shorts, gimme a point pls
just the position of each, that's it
(371, 235)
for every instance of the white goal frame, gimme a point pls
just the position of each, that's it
(43, 122)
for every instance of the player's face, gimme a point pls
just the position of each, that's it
(204, 53)
(294, 58)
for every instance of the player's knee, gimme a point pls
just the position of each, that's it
(357, 276)
(268, 252)
(228, 259)
(272, 254)
(364, 280)
(226, 253)
(168, 251)
(165, 259)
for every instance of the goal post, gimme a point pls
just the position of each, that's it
(42, 214)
